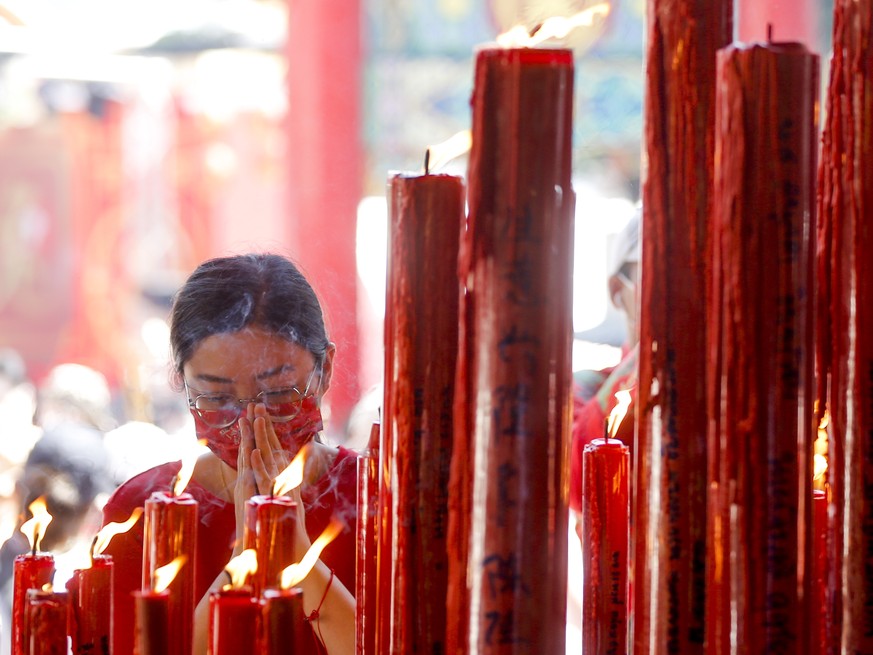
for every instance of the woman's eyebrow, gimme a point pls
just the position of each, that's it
(275, 371)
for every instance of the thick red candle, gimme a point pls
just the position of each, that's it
(366, 580)
(761, 444)
(606, 530)
(30, 571)
(820, 582)
(46, 622)
(233, 621)
(152, 622)
(170, 531)
(90, 597)
(270, 529)
(508, 521)
(283, 624)
(670, 450)
(846, 330)
(426, 214)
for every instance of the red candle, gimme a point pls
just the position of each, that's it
(270, 524)
(152, 622)
(426, 215)
(30, 571)
(670, 447)
(606, 527)
(366, 580)
(46, 622)
(508, 520)
(90, 596)
(762, 441)
(820, 582)
(233, 621)
(170, 531)
(283, 624)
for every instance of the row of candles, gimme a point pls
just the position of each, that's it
(260, 609)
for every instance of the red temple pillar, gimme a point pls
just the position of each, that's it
(325, 172)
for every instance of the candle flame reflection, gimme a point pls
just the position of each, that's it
(820, 453)
(164, 575)
(104, 536)
(35, 527)
(618, 412)
(292, 476)
(241, 567)
(556, 27)
(295, 573)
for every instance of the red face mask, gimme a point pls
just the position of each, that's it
(293, 434)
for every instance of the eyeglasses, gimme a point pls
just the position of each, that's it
(219, 410)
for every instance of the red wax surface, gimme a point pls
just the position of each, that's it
(845, 329)
(283, 624)
(30, 571)
(46, 622)
(670, 451)
(152, 622)
(508, 514)
(761, 444)
(269, 529)
(170, 529)
(90, 596)
(606, 530)
(233, 621)
(821, 584)
(426, 214)
(366, 550)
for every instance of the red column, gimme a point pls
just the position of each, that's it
(324, 172)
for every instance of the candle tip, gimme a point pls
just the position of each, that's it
(770, 32)
(427, 161)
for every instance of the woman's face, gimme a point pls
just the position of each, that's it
(244, 364)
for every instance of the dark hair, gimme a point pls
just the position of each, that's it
(227, 294)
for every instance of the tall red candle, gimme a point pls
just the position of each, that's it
(270, 524)
(670, 449)
(30, 571)
(821, 573)
(508, 523)
(233, 621)
(606, 527)
(426, 214)
(90, 597)
(762, 440)
(152, 622)
(46, 622)
(170, 531)
(283, 624)
(846, 327)
(366, 580)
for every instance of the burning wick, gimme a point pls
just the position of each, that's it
(104, 536)
(292, 476)
(555, 27)
(618, 412)
(427, 161)
(35, 527)
(295, 573)
(769, 32)
(164, 575)
(186, 471)
(241, 567)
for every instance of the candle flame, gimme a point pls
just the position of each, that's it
(292, 477)
(164, 575)
(187, 470)
(455, 146)
(104, 536)
(618, 412)
(556, 27)
(241, 567)
(295, 573)
(35, 527)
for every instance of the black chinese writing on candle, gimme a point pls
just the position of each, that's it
(503, 578)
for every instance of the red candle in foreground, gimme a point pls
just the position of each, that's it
(90, 596)
(270, 524)
(233, 621)
(819, 617)
(170, 531)
(46, 622)
(152, 622)
(283, 624)
(30, 571)
(366, 580)
(606, 526)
